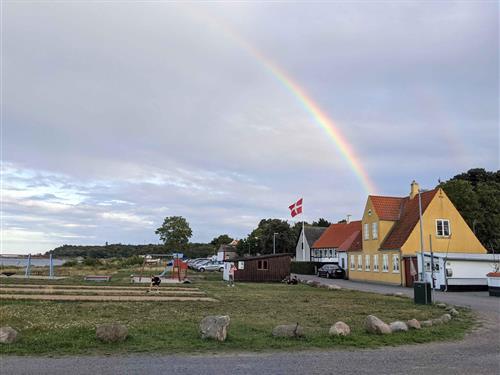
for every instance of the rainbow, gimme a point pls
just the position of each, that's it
(306, 101)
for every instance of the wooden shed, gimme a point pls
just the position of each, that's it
(273, 267)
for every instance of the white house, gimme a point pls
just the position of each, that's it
(303, 254)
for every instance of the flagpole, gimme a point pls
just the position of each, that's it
(303, 235)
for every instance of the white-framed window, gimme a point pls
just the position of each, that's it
(385, 263)
(366, 233)
(375, 263)
(360, 262)
(353, 263)
(395, 263)
(367, 263)
(443, 228)
(375, 230)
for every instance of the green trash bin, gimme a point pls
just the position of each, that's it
(422, 293)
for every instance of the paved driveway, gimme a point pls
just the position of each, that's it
(478, 353)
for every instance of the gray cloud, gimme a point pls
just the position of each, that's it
(118, 114)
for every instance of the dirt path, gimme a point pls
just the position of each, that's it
(56, 286)
(107, 298)
(95, 291)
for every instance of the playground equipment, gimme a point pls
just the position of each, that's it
(177, 267)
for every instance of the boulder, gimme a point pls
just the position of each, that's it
(111, 332)
(288, 330)
(310, 282)
(413, 324)
(8, 335)
(214, 327)
(398, 326)
(426, 323)
(437, 321)
(334, 287)
(454, 312)
(441, 305)
(446, 318)
(339, 329)
(375, 325)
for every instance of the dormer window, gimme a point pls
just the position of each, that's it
(442, 228)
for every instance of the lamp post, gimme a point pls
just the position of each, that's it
(421, 234)
(274, 242)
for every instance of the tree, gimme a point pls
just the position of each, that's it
(475, 195)
(223, 239)
(321, 223)
(175, 233)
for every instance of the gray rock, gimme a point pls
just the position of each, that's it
(334, 287)
(413, 324)
(214, 327)
(111, 332)
(310, 282)
(400, 294)
(340, 329)
(441, 305)
(446, 318)
(375, 325)
(426, 323)
(288, 330)
(398, 326)
(8, 335)
(437, 321)
(454, 312)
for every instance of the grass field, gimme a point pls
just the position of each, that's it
(58, 328)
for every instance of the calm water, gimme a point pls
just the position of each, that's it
(21, 262)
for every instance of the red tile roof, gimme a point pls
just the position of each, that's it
(387, 208)
(352, 243)
(409, 217)
(336, 234)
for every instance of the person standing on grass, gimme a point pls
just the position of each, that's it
(231, 275)
(155, 282)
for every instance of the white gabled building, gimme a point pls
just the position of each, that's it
(303, 254)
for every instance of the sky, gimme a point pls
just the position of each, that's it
(117, 114)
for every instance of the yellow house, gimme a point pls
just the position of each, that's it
(391, 235)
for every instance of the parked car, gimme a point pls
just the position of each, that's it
(331, 271)
(196, 262)
(211, 266)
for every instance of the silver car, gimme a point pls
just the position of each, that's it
(211, 266)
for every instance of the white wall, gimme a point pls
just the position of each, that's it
(299, 254)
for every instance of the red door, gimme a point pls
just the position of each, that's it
(409, 278)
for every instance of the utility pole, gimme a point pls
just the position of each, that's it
(274, 242)
(422, 274)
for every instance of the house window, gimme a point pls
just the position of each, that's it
(395, 263)
(262, 265)
(360, 263)
(385, 263)
(375, 263)
(367, 263)
(442, 228)
(353, 265)
(366, 232)
(375, 230)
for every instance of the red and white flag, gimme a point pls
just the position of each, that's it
(296, 208)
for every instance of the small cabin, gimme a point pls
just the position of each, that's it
(272, 267)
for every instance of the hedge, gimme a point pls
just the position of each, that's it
(305, 268)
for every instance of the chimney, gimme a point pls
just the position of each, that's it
(414, 189)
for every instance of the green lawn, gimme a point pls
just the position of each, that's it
(172, 327)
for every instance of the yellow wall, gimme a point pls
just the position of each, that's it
(462, 239)
(371, 247)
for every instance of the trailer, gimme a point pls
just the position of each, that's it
(458, 271)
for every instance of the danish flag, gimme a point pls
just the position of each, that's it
(296, 208)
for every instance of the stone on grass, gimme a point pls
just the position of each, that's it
(398, 326)
(334, 287)
(214, 327)
(441, 305)
(8, 335)
(375, 325)
(437, 321)
(288, 330)
(426, 323)
(111, 332)
(310, 282)
(454, 312)
(400, 294)
(339, 329)
(413, 324)
(446, 318)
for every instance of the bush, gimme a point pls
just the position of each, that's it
(131, 261)
(305, 268)
(70, 263)
(91, 262)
